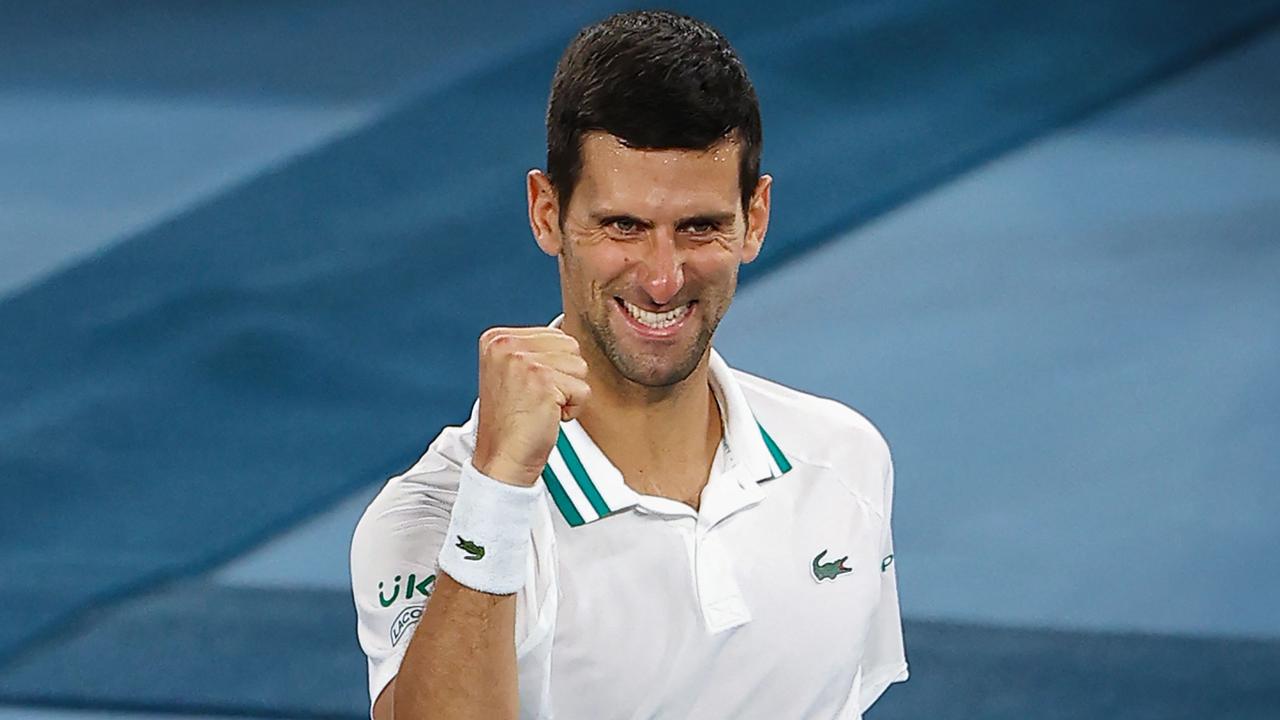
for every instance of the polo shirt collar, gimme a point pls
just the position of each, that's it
(586, 486)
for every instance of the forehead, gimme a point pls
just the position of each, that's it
(657, 182)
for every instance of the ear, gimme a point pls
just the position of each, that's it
(544, 212)
(757, 218)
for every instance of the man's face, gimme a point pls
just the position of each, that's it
(649, 252)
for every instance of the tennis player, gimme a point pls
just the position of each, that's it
(627, 527)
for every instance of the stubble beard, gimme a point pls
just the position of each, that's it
(648, 370)
(639, 368)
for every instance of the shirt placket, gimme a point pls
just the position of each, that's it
(723, 606)
(721, 601)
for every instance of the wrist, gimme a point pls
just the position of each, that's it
(487, 544)
(500, 468)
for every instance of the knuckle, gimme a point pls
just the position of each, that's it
(493, 340)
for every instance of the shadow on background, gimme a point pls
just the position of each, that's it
(226, 369)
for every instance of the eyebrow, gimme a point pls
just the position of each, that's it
(604, 218)
(717, 219)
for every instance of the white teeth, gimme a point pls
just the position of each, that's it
(655, 320)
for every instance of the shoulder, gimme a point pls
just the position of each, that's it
(825, 434)
(815, 426)
(411, 512)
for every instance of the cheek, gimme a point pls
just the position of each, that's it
(612, 261)
(600, 263)
(714, 263)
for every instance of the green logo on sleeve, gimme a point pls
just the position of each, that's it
(886, 562)
(477, 551)
(829, 571)
(422, 586)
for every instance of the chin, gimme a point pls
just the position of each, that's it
(657, 369)
(654, 363)
(656, 377)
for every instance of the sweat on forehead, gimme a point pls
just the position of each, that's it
(654, 181)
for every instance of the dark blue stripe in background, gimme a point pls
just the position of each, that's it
(240, 367)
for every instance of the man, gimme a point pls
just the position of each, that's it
(626, 527)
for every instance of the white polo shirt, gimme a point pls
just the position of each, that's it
(777, 598)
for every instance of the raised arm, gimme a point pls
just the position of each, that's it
(461, 661)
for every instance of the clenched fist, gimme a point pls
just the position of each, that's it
(531, 378)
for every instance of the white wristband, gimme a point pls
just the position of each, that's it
(487, 545)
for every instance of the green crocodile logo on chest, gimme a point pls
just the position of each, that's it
(830, 570)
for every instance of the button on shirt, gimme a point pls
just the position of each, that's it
(777, 598)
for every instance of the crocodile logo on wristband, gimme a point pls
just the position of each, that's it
(476, 551)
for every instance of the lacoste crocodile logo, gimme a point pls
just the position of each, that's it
(476, 551)
(829, 571)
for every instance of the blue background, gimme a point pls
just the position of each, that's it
(245, 252)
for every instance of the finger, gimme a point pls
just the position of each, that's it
(567, 363)
(554, 340)
(572, 391)
(539, 331)
(527, 338)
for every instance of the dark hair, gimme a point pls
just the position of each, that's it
(655, 80)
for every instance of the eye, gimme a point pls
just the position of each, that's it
(700, 228)
(625, 225)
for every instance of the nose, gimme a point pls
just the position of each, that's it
(663, 276)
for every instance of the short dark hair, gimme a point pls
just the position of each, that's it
(655, 80)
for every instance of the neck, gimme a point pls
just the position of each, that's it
(663, 440)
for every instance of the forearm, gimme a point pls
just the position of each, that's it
(461, 661)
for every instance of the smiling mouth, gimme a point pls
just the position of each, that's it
(655, 322)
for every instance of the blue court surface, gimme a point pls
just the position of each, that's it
(246, 252)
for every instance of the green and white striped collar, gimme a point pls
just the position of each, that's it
(586, 486)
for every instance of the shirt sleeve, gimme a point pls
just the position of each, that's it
(393, 556)
(393, 574)
(884, 662)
